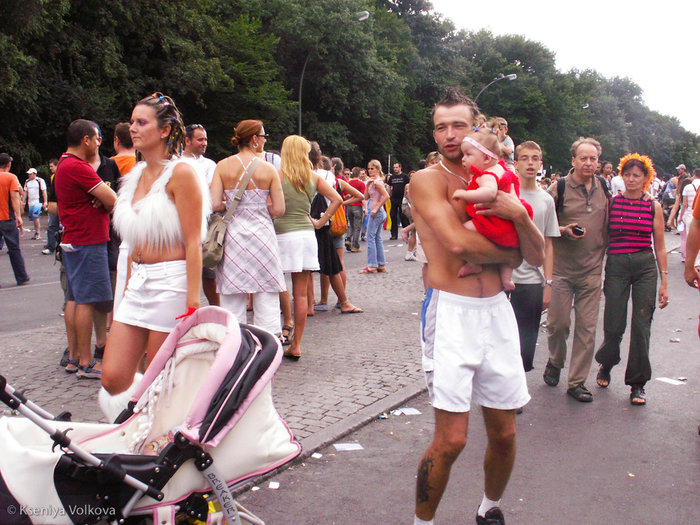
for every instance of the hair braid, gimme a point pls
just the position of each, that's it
(167, 114)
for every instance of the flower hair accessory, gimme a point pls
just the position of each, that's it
(648, 164)
(160, 98)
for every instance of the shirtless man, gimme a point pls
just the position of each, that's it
(473, 312)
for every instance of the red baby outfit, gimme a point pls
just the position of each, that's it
(495, 229)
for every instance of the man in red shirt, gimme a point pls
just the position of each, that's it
(11, 218)
(84, 202)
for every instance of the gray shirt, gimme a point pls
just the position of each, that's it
(545, 218)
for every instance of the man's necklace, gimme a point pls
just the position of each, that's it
(448, 170)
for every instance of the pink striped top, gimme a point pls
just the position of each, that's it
(630, 225)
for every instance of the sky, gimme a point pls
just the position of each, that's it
(652, 43)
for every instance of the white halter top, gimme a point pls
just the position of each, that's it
(153, 222)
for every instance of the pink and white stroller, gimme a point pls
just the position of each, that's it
(201, 420)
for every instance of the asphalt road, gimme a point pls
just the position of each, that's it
(577, 464)
(603, 462)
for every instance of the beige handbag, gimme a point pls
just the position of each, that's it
(213, 245)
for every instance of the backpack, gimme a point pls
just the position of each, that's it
(667, 197)
(561, 186)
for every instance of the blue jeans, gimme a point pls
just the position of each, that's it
(51, 231)
(375, 245)
(10, 233)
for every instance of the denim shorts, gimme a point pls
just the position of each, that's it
(87, 274)
(35, 210)
(339, 242)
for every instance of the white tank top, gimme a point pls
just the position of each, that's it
(153, 222)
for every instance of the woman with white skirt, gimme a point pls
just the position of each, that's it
(295, 231)
(161, 215)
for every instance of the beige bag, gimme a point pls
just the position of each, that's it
(213, 245)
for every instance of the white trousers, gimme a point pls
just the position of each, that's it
(266, 309)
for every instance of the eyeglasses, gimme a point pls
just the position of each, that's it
(263, 135)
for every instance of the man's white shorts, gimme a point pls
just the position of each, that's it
(471, 350)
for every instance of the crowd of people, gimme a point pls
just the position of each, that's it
(479, 214)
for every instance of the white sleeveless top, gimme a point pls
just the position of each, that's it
(153, 221)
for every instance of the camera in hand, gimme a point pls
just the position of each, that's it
(577, 230)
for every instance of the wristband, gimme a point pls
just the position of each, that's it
(189, 312)
(548, 282)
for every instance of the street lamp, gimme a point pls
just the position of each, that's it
(361, 16)
(500, 76)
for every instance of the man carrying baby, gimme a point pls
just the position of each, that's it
(469, 334)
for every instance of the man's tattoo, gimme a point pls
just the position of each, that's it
(423, 487)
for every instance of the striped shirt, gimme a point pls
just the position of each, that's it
(630, 225)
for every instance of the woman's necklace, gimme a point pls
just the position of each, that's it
(448, 170)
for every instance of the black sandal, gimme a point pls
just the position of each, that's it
(638, 396)
(603, 377)
(286, 339)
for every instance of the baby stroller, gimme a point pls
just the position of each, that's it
(200, 421)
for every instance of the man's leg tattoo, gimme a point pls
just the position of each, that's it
(423, 487)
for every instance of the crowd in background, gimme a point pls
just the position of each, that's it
(290, 194)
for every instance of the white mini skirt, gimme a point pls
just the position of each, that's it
(155, 295)
(298, 251)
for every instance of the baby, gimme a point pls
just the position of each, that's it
(482, 152)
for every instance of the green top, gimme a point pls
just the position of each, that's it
(297, 206)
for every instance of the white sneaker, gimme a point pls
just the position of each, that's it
(46, 251)
(410, 256)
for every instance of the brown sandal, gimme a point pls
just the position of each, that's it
(286, 339)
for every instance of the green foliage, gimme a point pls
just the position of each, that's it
(367, 91)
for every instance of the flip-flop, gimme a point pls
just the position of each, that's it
(72, 366)
(293, 357)
(368, 270)
(321, 307)
(382, 269)
(355, 310)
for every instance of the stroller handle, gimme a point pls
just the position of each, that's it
(8, 397)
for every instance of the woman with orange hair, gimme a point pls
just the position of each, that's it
(634, 222)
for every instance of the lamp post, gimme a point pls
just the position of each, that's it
(361, 16)
(500, 76)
